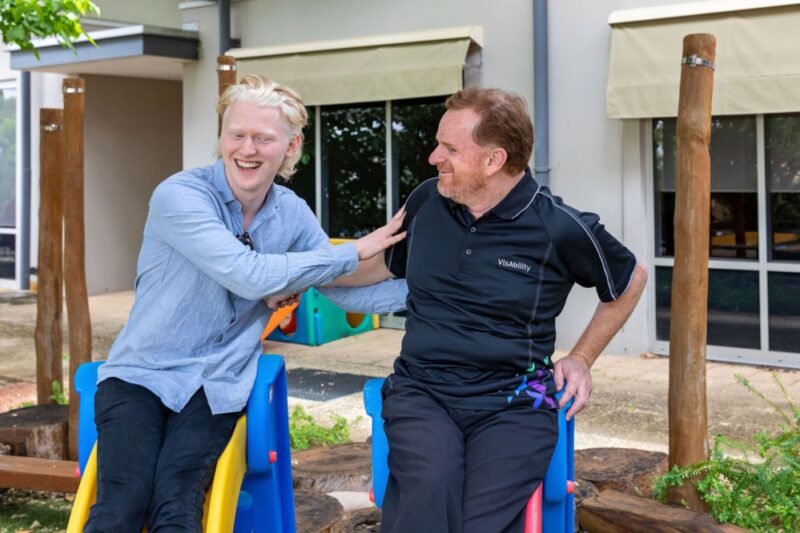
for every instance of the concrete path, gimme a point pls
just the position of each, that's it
(629, 403)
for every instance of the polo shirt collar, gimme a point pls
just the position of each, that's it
(518, 199)
(514, 202)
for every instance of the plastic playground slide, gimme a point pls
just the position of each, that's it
(222, 499)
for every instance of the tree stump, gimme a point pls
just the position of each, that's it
(316, 512)
(616, 512)
(624, 469)
(363, 521)
(38, 431)
(583, 491)
(346, 467)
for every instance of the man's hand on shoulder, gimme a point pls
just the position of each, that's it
(574, 369)
(382, 238)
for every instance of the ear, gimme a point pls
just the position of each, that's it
(496, 160)
(294, 145)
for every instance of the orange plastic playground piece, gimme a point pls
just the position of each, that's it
(277, 318)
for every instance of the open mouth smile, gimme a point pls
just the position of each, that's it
(247, 165)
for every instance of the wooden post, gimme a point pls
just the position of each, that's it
(50, 274)
(80, 327)
(688, 424)
(226, 76)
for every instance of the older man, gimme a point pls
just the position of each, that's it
(217, 240)
(490, 258)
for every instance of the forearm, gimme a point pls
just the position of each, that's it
(608, 319)
(385, 297)
(369, 272)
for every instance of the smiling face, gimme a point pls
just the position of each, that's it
(253, 145)
(463, 165)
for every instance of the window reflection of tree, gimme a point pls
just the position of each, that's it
(303, 182)
(414, 125)
(354, 162)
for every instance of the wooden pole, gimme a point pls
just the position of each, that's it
(80, 327)
(688, 424)
(50, 274)
(226, 76)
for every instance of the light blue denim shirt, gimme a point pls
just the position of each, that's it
(198, 312)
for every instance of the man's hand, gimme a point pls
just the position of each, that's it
(382, 238)
(575, 370)
(281, 300)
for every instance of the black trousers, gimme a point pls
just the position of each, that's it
(154, 465)
(455, 470)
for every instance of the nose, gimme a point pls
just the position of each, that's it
(436, 156)
(248, 146)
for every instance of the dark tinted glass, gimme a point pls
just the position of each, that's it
(782, 134)
(414, 125)
(354, 169)
(734, 201)
(303, 181)
(733, 317)
(8, 163)
(784, 311)
(8, 247)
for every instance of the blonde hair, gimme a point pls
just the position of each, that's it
(264, 92)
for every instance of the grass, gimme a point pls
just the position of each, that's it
(35, 512)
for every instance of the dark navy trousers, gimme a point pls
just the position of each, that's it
(455, 470)
(154, 465)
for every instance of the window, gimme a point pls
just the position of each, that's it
(355, 171)
(782, 134)
(303, 182)
(734, 209)
(754, 241)
(414, 125)
(8, 179)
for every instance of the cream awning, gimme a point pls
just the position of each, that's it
(757, 63)
(368, 69)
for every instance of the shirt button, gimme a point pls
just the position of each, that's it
(469, 251)
(472, 229)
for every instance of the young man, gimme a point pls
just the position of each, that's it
(490, 259)
(217, 241)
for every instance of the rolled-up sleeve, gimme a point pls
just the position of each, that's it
(183, 215)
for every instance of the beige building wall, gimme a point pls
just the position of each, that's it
(598, 163)
(163, 13)
(132, 142)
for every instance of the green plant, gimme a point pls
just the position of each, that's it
(58, 395)
(25, 404)
(761, 490)
(24, 20)
(304, 432)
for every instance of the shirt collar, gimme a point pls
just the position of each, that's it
(518, 199)
(514, 202)
(220, 182)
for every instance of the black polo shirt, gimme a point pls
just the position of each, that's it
(484, 294)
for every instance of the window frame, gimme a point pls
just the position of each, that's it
(763, 265)
(6, 283)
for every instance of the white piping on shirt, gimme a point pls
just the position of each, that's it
(594, 242)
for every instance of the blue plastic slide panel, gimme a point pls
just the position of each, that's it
(269, 477)
(380, 446)
(86, 386)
